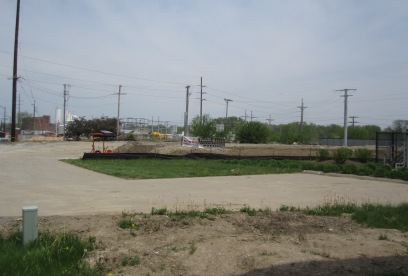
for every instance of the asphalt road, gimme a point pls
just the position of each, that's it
(31, 174)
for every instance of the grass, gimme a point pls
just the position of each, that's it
(207, 213)
(250, 211)
(50, 254)
(386, 216)
(182, 168)
(130, 261)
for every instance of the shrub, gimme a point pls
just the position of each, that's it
(253, 133)
(323, 154)
(341, 155)
(363, 155)
(350, 169)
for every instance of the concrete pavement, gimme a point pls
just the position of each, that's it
(31, 174)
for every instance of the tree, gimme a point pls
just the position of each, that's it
(253, 133)
(398, 125)
(205, 129)
(103, 123)
(230, 126)
(77, 128)
(83, 128)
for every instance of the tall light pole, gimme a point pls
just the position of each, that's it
(346, 95)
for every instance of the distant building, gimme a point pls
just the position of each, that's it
(38, 124)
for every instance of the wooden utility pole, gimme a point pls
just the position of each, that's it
(226, 112)
(65, 104)
(14, 97)
(269, 120)
(118, 118)
(302, 108)
(186, 112)
(201, 100)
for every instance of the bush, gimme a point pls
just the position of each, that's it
(350, 169)
(341, 155)
(363, 155)
(253, 133)
(323, 154)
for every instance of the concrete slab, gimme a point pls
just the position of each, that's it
(31, 174)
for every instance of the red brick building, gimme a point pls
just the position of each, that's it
(38, 124)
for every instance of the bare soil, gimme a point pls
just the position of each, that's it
(175, 148)
(270, 243)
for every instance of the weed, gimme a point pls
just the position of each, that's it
(162, 211)
(250, 211)
(193, 249)
(286, 208)
(126, 223)
(133, 261)
(383, 237)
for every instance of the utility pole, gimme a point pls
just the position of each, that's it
(246, 116)
(65, 104)
(186, 112)
(4, 118)
(14, 97)
(302, 108)
(19, 113)
(226, 112)
(346, 95)
(118, 118)
(34, 110)
(201, 100)
(353, 122)
(252, 117)
(269, 120)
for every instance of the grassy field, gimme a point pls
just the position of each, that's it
(180, 168)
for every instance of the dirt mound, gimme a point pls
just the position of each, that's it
(175, 148)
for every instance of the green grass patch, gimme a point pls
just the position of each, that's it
(50, 254)
(181, 168)
(385, 216)
(250, 211)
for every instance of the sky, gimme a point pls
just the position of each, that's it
(263, 55)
